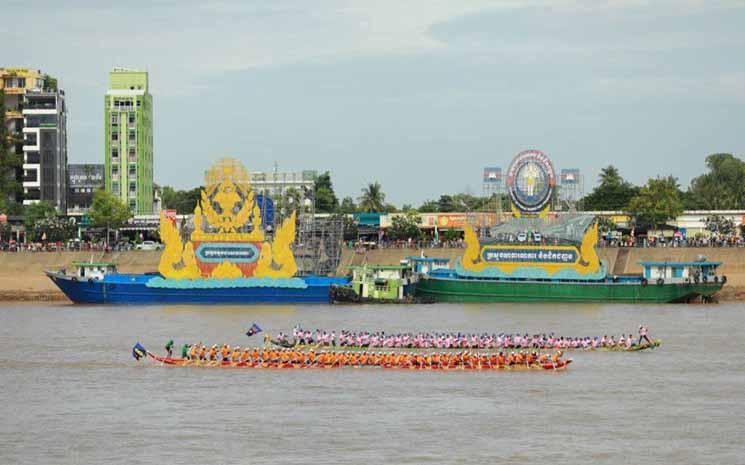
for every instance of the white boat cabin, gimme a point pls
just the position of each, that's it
(86, 270)
(681, 272)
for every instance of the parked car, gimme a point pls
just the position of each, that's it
(149, 245)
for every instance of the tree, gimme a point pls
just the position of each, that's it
(347, 206)
(183, 202)
(612, 194)
(718, 224)
(10, 162)
(446, 204)
(722, 188)
(657, 202)
(52, 229)
(36, 212)
(404, 227)
(372, 199)
(108, 211)
(326, 201)
(429, 206)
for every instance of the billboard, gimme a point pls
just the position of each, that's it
(85, 175)
(493, 175)
(569, 176)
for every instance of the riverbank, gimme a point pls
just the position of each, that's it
(22, 274)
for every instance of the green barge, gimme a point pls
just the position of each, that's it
(448, 287)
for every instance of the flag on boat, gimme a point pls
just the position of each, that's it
(138, 351)
(254, 329)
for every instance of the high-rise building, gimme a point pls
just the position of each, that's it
(36, 110)
(128, 135)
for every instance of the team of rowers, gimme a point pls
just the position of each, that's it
(437, 340)
(273, 357)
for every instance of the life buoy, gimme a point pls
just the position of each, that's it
(660, 281)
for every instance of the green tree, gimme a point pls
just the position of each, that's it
(612, 194)
(657, 202)
(404, 227)
(372, 199)
(183, 202)
(50, 83)
(722, 188)
(108, 211)
(446, 204)
(36, 212)
(53, 229)
(10, 162)
(429, 206)
(347, 206)
(718, 224)
(326, 201)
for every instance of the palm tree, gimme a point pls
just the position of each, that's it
(372, 199)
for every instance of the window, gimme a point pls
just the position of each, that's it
(114, 118)
(131, 118)
(132, 171)
(115, 136)
(115, 187)
(132, 188)
(132, 204)
(115, 170)
(114, 152)
(131, 135)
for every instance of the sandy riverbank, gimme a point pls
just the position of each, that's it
(22, 274)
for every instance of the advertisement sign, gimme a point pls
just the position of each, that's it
(502, 254)
(530, 181)
(492, 175)
(569, 176)
(85, 175)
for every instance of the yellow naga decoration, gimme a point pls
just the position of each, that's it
(583, 260)
(228, 241)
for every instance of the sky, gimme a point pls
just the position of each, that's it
(417, 95)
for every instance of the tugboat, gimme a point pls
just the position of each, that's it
(387, 284)
(226, 259)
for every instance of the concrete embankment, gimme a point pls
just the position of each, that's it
(22, 274)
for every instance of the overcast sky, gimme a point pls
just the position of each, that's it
(417, 95)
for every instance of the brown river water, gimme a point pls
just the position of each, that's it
(72, 394)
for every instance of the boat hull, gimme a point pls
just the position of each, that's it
(562, 365)
(131, 289)
(486, 290)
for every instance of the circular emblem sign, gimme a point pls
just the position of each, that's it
(530, 181)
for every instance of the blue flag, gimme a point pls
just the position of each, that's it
(138, 351)
(254, 329)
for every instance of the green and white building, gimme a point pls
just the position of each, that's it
(128, 135)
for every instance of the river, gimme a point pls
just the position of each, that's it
(72, 394)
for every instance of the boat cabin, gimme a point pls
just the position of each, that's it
(681, 272)
(90, 270)
(424, 265)
(382, 281)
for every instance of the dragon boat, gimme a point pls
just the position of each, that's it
(182, 362)
(228, 257)
(635, 348)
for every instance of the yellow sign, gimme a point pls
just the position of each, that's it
(551, 259)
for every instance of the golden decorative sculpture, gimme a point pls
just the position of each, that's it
(227, 215)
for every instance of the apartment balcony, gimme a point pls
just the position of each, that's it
(33, 158)
(31, 105)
